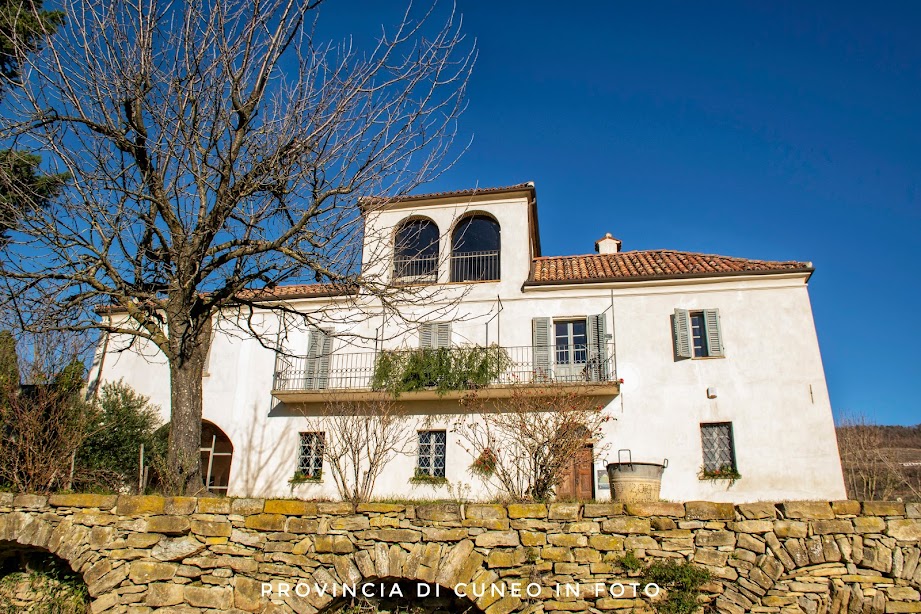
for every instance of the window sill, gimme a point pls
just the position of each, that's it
(305, 481)
(726, 477)
(430, 480)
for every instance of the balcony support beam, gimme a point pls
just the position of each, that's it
(600, 389)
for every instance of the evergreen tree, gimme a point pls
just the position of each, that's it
(9, 363)
(22, 184)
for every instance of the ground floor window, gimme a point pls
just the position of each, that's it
(310, 459)
(718, 453)
(432, 453)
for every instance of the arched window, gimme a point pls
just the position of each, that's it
(475, 249)
(415, 251)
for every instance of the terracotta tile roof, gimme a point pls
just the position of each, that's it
(378, 200)
(659, 263)
(293, 291)
(288, 292)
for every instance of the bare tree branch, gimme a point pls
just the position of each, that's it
(217, 150)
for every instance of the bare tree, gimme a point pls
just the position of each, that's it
(361, 437)
(216, 149)
(871, 470)
(524, 444)
(42, 424)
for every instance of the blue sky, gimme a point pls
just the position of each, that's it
(763, 130)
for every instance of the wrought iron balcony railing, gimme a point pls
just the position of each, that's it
(415, 269)
(475, 266)
(456, 368)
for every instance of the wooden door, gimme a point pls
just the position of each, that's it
(577, 482)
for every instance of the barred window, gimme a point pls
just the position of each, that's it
(310, 460)
(432, 447)
(717, 446)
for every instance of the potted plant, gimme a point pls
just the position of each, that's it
(301, 477)
(723, 472)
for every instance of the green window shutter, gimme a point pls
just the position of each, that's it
(443, 335)
(682, 326)
(714, 336)
(316, 365)
(540, 340)
(597, 367)
(427, 336)
(324, 360)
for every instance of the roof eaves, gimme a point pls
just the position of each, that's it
(367, 202)
(696, 275)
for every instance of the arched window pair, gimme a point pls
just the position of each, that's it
(475, 246)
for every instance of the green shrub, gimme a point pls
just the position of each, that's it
(442, 369)
(629, 561)
(43, 585)
(681, 580)
(124, 420)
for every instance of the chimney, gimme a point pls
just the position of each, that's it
(607, 244)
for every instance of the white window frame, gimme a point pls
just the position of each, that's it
(311, 447)
(429, 450)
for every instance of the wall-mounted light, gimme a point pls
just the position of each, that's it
(711, 392)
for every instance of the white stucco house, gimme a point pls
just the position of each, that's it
(711, 362)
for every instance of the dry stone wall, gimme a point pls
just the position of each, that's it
(146, 555)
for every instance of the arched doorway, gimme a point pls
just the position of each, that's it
(216, 456)
(475, 249)
(415, 251)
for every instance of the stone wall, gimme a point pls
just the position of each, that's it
(141, 555)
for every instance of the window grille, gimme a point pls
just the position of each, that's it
(310, 460)
(432, 449)
(717, 446)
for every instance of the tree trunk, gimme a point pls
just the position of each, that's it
(184, 453)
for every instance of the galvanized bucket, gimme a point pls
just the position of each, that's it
(635, 482)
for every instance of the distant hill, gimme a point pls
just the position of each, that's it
(880, 462)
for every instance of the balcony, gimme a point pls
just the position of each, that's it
(475, 266)
(447, 373)
(419, 269)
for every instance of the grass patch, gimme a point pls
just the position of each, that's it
(43, 585)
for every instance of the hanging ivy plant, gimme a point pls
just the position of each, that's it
(441, 369)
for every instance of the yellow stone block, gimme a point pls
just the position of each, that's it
(214, 505)
(144, 504)
(290, 508)
(103, 502)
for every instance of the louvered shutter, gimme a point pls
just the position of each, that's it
(540, 340)
(597, 367)
(324, 360)
(433, 335)
(443, 335)
(427, 336)
(714, 336)
(682, 331)
(316, 367)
